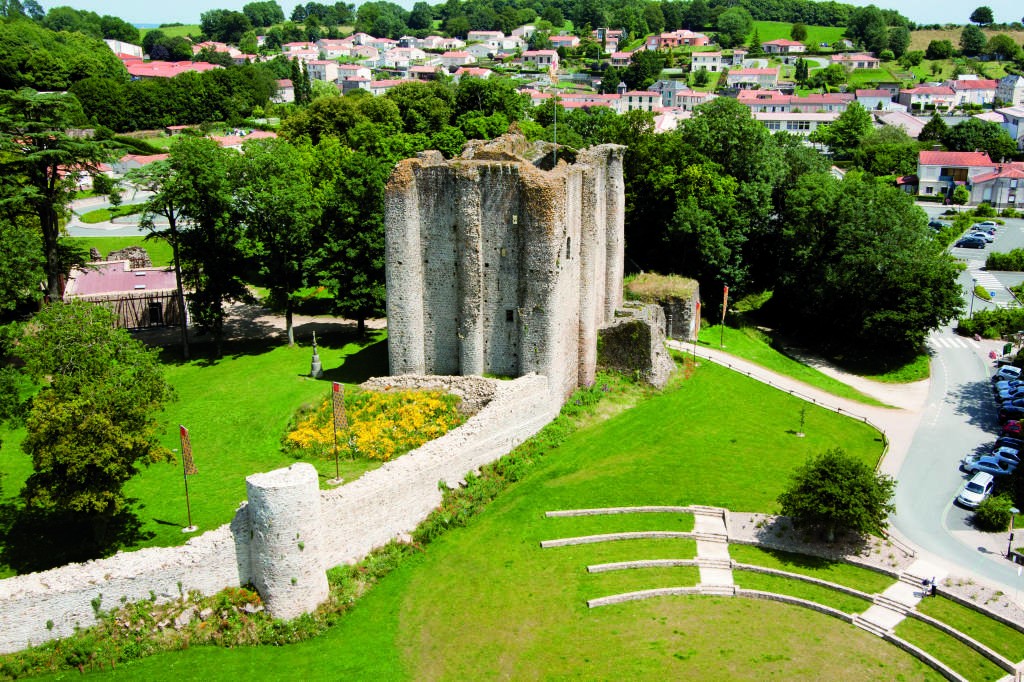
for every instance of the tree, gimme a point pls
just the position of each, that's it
(834, 492)
(755, 44)
(899, 40)
(21, 265)
(843, 135)
(1002, 46)
(972, 40)
(798, 32)
(263, 14)
(36, 153)
(734, 25)
(224, 25)
(211, 258)
(157, 178)
(697, 15)
(867, 26)
(887, 151)
(700, 77)
(349, 191)
(934, 130)
(93, 423)
(644, 69)
(801, 71)
(939, 49)
(857, 252)
(274, 201)
(982, 16)
(974, 134)
(961, 195)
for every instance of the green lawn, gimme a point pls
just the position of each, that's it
(796, 588)
(101, 215)
(753, 345)
(173, 31)
(773, 30)
(838, 572)
(950, 651)
(998, 637)
(487, 601)
(159, 250)
(237, 410)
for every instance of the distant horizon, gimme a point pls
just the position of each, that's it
(189, 11)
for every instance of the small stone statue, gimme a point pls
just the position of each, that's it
(316, 370)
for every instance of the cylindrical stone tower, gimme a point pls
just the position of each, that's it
(287, 565)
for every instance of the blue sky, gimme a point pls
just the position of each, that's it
(188, 11)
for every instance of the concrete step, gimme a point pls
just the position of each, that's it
(708, 536)
(712, 562)
(719, 590)
(865, 624)
(891, 604)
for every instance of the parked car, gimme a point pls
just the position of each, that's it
(1007, 373)
(1001, 386)
(936, 224)
(1009, 442)
(987, 463)
(970, 243)
(1008, 412)
(1013, 428)
(985, 225)
(983, 235)
(1011, 455)
(976, 490)
(1010, 396)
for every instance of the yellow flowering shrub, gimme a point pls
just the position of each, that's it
(381, 425)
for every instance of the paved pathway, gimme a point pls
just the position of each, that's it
(713, 550)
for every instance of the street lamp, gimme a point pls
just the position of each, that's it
(974, 285)
(1009, 546)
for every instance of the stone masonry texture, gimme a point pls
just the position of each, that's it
(498, 265)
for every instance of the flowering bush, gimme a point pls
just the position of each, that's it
(381, 425)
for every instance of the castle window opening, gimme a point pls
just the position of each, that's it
(568, 243)
(509, 316)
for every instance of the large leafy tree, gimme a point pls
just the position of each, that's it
(843, 135)
(1002, 46)
(982, 15)
(349, 190)
(274, 201)
(93, 423)
(39, 163)
(972, 40)
(21, 265)
(164, 204)
(887, 151)
(835, 492)
(212, 262)
(934, 129)
(975, 134)
(857, 258)
(734, 25)
(867, 26)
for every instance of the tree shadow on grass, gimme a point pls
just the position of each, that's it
(777, 536)
(371, 361)
(36, 540)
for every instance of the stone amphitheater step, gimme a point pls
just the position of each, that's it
(714, 562)
(706, 511)
(891, 604)
(717, 590)
(874, 629)
(600, 511)
(711, 537)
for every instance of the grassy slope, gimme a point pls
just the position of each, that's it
(999, 637)
(173, 31)
(159, 250)
(773, 30)
(487, 601)
(950, 651)
(919, 39)
(750, 344)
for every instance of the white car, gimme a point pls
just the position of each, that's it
(976, 490)
(985, 225)
(982, 235)
(997, 466)
(1006, 373)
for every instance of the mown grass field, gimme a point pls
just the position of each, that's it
(486, 601)
(173, 31)
(919, 39)
(773, 30)
(159, 251)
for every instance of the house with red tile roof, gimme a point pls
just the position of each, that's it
(472, 72)
(237, 139)
(680, 38)
(139, 70)
(132, 161)
(856, 61)
(621, 59)
(456, 58)
(939, 173)
(542, 59)
(783, 46)
(928, 97)
(973, 91)
(709, 61)
(1003, 187)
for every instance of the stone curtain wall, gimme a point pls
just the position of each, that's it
(333, 527)
(496, 266)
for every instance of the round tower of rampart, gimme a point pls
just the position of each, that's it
(288, 570)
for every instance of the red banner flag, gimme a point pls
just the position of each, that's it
(696, 321)
(338, 406)
(186, 453)
(725, 301)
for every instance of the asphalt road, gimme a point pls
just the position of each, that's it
(959, 419)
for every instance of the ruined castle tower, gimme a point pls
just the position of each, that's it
(501, 262)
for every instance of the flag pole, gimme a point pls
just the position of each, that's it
(725, 303)
(696, 330)
(188, 468)
(337, 421)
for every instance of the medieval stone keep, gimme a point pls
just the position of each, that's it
(503, 261)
